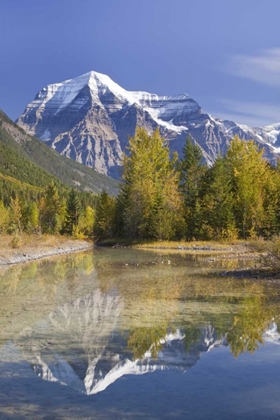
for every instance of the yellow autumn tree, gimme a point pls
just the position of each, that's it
(151, 205)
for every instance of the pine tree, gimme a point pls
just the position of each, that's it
(104, 216)
(4, 217)
(50, 210)
(30, 217)
(217, 203)
(192, 170)
(73, 208)
(270, 222)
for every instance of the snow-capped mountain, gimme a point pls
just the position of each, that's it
(89, 119)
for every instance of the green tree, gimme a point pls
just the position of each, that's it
(51, 209)
(104, 216)
(192, 170)
(270, 221)
(31, 217)
(271, 215)
(217, 203)
(73, 209)
(4, 217)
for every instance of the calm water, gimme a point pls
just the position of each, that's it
(123, 334)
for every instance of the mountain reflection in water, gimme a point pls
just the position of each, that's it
(98, 319)
(87, 353)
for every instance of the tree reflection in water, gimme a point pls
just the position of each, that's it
(103, 317)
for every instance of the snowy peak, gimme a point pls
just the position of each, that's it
(59, 96)
(90, 118)
(101, 83)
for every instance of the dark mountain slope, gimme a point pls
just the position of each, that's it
(29, 160)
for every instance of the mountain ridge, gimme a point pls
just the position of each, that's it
(90, 118)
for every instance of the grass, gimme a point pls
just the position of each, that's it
(20, 183)
(269, 252)
(144, 243)
(194, 247)
(187, 245)
(229, 249)
(30, 243)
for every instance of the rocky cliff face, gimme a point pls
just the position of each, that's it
(89, 119)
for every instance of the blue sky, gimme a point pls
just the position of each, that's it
(223, 53)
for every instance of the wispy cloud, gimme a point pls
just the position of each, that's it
(263, 67)
(255, 114)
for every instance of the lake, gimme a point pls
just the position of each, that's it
(132, 334)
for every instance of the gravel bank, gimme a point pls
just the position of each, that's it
(31, 253)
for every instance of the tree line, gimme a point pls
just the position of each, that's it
(161, 197)
(48, 210)
(166, 198)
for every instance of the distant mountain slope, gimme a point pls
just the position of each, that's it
(29, 160)
(89, 119)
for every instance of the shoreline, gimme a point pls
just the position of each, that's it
(34, 247)
(26, 253)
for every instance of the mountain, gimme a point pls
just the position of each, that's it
(90, 117)
(28, 160)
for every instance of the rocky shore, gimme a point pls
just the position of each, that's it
(31, 252)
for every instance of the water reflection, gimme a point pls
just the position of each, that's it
(86, 320)
(78, 345)
(72, 345)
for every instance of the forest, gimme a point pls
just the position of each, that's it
(161, 197)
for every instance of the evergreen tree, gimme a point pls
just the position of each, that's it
(192, 170)
(217, 203)
(104, 216)
(50, 210)
(30, 217)
(270, 222)
(4, 217)
(274, 195)
(73, 208)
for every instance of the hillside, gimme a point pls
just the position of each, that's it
(29, 160)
